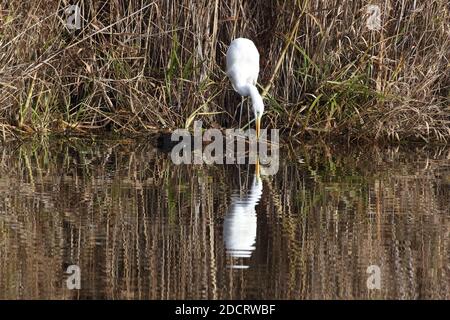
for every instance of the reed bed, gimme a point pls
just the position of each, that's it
(138, 66)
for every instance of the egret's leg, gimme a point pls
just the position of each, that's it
(240, 114)
(248, 113)
(240, 182)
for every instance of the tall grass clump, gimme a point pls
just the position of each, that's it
(141, 65)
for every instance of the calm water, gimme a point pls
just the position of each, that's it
(140, 227)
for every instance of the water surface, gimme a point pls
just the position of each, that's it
(140, 227)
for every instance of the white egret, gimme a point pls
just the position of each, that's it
(240, 223)
(243, 70)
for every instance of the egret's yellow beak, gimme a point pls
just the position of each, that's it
(258, 126)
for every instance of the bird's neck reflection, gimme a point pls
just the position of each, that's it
(240, 222)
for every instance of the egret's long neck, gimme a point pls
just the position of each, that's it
(254, 94)
(247, 89)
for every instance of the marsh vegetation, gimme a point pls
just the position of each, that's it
(137, 66)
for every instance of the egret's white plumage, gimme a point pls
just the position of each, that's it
(243, 70)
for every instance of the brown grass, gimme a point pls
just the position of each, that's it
(139, 65)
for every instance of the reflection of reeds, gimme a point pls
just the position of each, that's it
(140, 227)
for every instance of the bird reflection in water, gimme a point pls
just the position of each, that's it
(240, 223)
